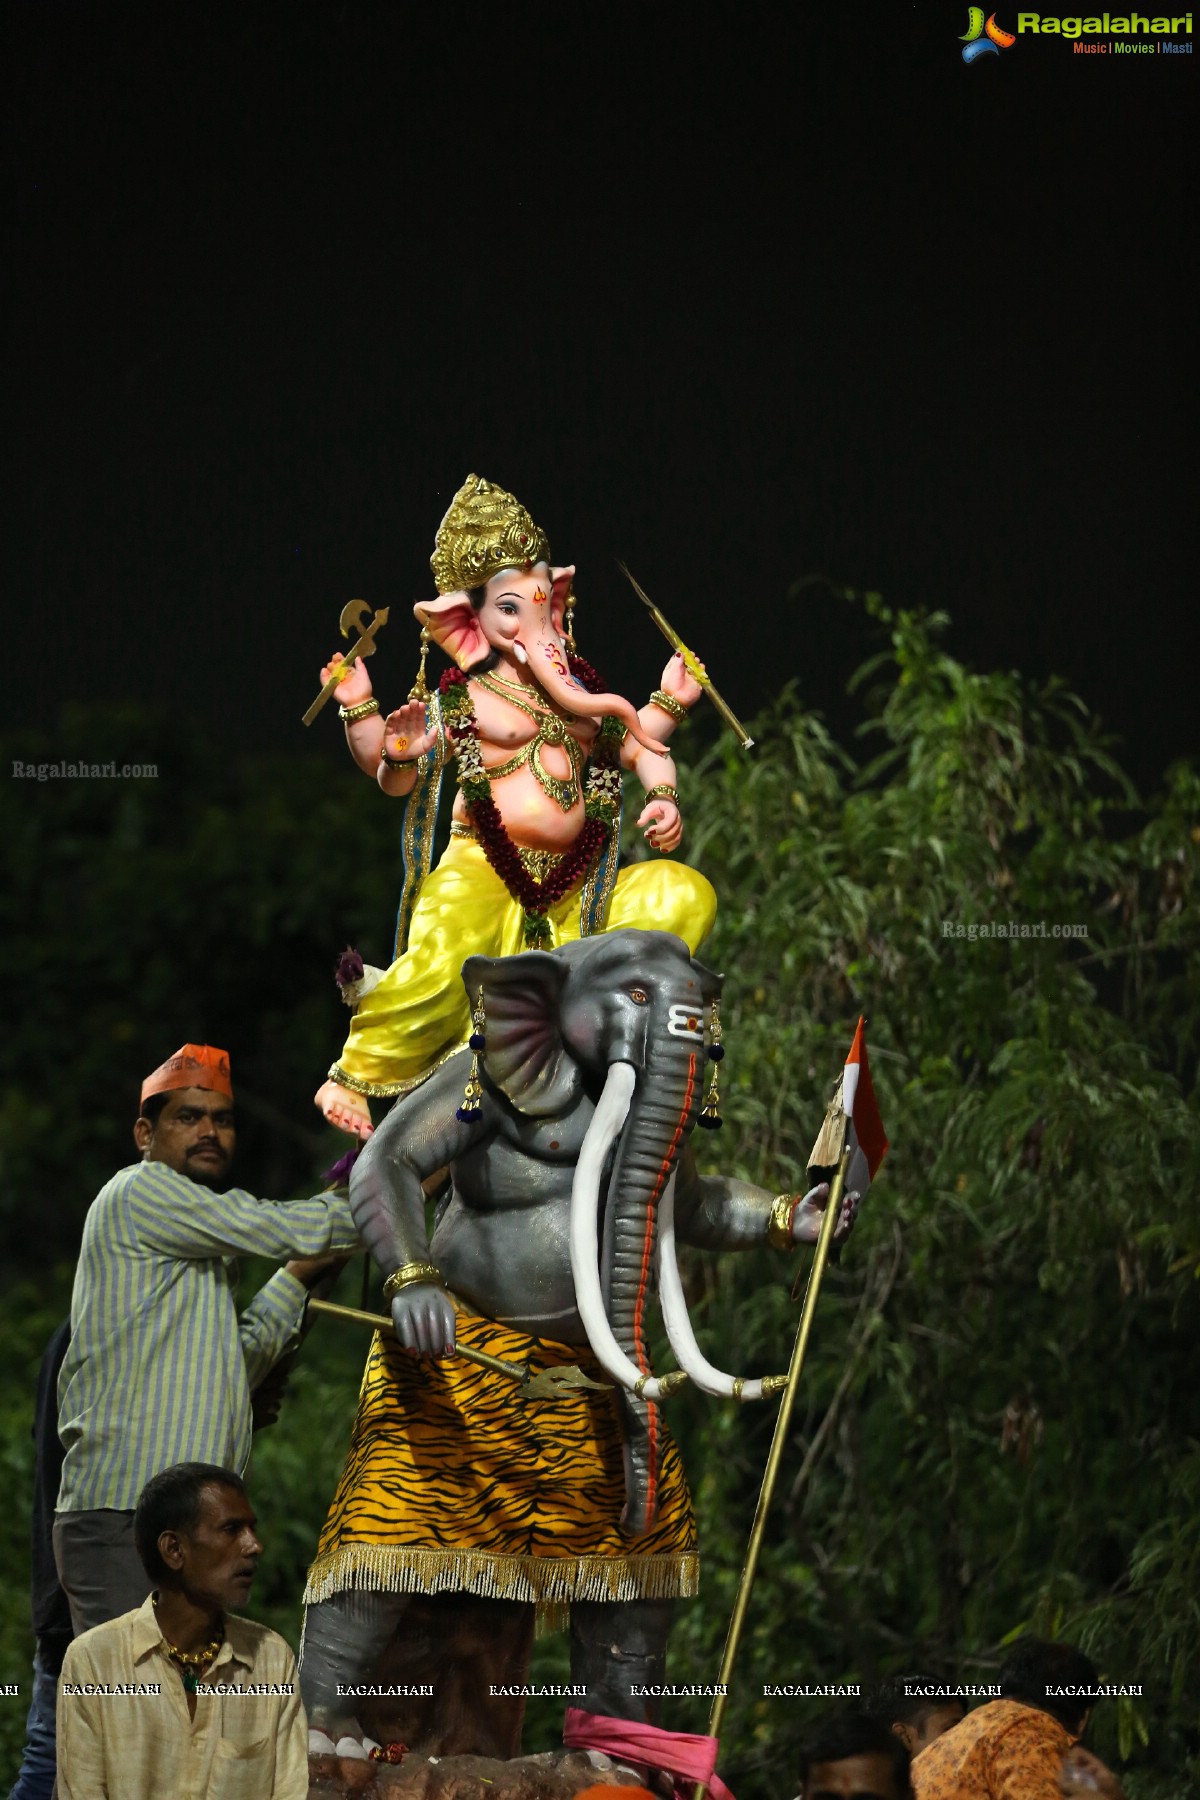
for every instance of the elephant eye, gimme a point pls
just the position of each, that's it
(638, 996)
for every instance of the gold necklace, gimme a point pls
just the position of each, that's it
(516, 687)
(563, 789)
(191, 1662)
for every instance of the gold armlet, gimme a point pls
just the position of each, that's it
(349, 715)
(663, 792)
(670, 705)
(408, 1275)
(779, 1220)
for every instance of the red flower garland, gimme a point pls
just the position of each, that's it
(535, 898)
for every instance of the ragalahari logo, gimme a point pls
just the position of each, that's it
(983, 38)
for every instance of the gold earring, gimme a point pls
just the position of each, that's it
(477, 1044)
(420, 687)
(710, 1113)
(569, 622)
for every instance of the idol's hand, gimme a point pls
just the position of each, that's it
(356, 684)
(806, 1220)
(661, 824)
(405, 734)
(679, 684)
(424, 1319)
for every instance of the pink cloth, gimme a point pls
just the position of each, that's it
(681, 1753)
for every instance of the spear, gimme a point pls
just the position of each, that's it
(692, 663)
(548, 1384)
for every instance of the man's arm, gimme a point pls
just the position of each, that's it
(82, 1767)
(179, 1217)
(273, 1323)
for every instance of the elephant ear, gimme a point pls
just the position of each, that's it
(710, 984)
(453, 624)
(526, 1057)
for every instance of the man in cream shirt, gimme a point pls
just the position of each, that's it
(181, 1696)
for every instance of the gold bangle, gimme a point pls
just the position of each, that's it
(664, 792)
(349, 715)
(408, 1275)
(669, 704)
(779, 1220)
(396, 762)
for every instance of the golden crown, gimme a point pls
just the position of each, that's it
(484, 530)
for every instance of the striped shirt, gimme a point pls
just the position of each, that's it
(160, 1366)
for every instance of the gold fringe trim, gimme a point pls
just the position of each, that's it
(551, 1582)
(387, 1090)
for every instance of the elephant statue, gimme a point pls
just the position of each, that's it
(565, 1131)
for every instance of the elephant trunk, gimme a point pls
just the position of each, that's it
(651, 1138)
(547, 660)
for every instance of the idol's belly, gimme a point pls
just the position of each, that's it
(512, 1265)
(532, 817)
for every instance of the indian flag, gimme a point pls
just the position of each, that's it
(855, 1101)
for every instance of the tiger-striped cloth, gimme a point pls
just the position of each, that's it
(451, 1482)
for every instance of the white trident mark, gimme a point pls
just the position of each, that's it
(683, 1023)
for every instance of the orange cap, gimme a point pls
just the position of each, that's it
(196, 1065)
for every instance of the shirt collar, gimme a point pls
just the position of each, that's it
(236, 1646)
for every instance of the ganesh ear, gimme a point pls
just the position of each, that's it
(453, 624)
(526, 1057)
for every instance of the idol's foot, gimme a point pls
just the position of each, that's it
(345, 1109)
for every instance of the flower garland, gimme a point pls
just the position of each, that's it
(601, 799)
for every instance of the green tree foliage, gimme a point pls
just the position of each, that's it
(998, 1427)
(206, 903)
(998, 1424)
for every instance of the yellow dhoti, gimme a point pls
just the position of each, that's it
(451, 1482)
(418, 1015)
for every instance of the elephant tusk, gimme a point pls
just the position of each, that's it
(612, 1110)
(520, 653)
(679, 1327)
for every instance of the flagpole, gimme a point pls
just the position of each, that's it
(741, 1602)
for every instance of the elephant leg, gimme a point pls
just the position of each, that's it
(463, 1648)
(343, 1640)
(617, 1646)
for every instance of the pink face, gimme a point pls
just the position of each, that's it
(517, 619)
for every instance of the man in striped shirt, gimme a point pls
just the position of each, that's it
(161, 1367)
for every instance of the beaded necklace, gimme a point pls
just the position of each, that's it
(191, 1662)
(601, 799)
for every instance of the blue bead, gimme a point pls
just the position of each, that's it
(477, 1041)
(715, 1052)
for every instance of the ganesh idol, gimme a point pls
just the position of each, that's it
(537, 749)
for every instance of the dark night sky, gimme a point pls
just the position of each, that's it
(735, 295)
